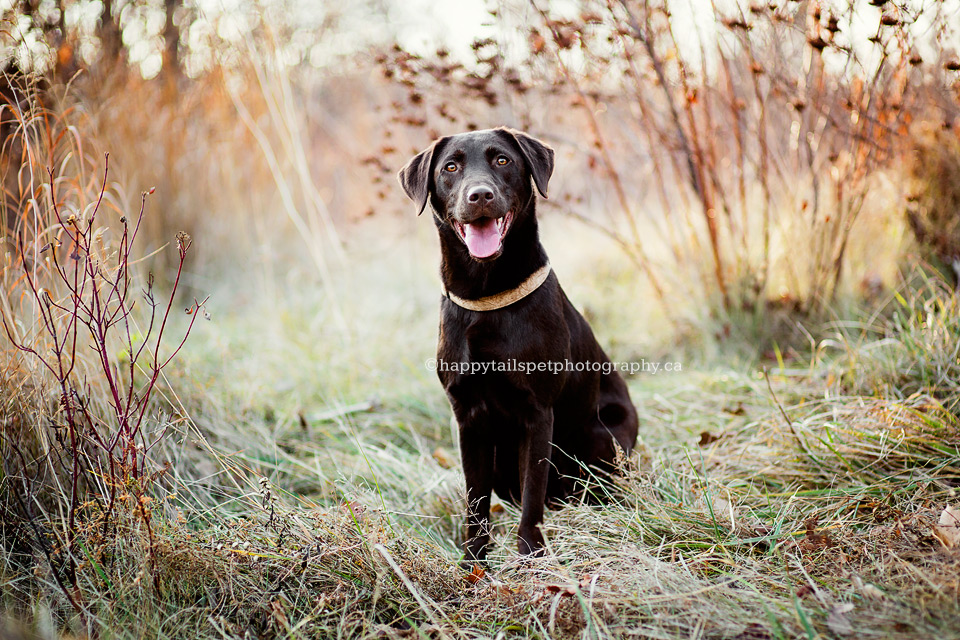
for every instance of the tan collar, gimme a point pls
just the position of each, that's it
(501, 300)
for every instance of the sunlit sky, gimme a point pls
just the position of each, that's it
(422, 25)
(419, 25)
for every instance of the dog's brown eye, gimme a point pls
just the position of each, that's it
(451, 167)
(502, 160)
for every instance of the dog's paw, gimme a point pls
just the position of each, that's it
(475, 553)
(531, 543)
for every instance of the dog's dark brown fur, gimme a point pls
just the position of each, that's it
(523, 435)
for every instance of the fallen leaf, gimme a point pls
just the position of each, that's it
(706, 438)
(475, 575)
(276, 608)
(565, 590)
(947, 529)
(813, 538)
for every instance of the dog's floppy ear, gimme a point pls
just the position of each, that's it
(539, 158)
(416, 176)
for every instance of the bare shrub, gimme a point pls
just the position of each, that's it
(85, 345)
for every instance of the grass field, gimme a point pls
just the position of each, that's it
(313, 486)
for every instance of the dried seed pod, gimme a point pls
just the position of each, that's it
(737, 23)
(537, 42)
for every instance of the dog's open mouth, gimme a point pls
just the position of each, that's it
(484, 237)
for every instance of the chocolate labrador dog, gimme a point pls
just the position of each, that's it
(536, 399)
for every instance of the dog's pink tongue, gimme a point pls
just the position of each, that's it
(482, 237)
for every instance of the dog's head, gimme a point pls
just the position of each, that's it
(479, 184)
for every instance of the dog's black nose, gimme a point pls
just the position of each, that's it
(480, 194)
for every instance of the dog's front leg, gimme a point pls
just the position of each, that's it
(535, 471)
(476, 452)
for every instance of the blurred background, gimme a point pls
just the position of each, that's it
(740, 185)
(723, 161)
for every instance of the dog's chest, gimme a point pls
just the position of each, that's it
(490, 364)
(497, 354)
(501, 336)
